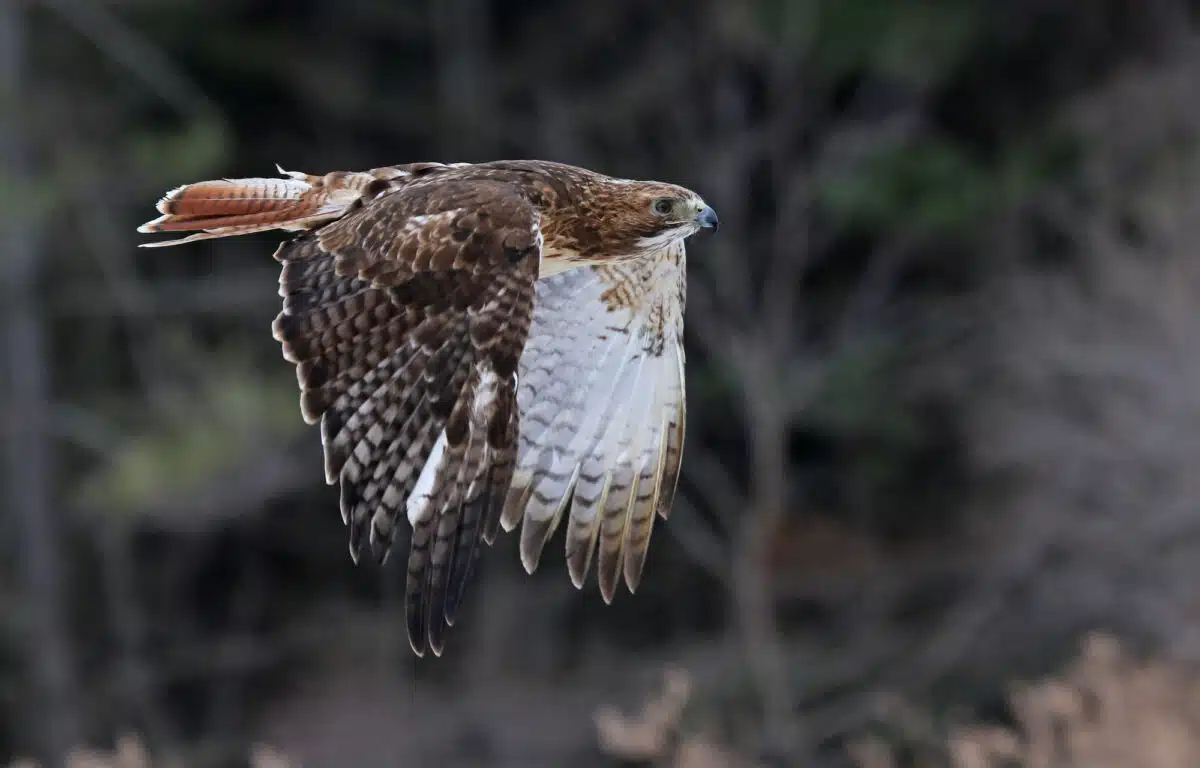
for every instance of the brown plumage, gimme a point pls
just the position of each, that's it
(456, 388)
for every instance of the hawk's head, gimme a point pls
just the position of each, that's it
(615, 219)
(647, 216)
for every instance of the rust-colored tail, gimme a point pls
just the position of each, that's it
(228, 207)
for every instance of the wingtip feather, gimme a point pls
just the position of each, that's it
(607, 591)
(533, 538)
(519, 491)
(418, 650)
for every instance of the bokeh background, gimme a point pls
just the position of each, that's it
(940, 500)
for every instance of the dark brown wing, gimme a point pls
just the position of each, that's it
(406, 319)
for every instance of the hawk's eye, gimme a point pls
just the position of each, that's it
(663, 206)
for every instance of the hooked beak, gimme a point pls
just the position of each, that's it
(707, 218)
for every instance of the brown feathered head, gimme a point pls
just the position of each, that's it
(652, 215)
(612, 219)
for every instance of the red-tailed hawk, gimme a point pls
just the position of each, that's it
(483, 345)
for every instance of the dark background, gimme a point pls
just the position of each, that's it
(943, 373)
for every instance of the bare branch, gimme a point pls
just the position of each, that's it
(701, 545)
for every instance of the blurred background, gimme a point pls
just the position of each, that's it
(939, 503)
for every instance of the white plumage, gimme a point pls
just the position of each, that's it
(602, 409)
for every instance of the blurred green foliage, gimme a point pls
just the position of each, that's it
(916, 42)
(191, 435)
(189, 151)
(933, 187)
(937, 186)
(858, 395)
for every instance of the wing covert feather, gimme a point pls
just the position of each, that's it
(406, 319)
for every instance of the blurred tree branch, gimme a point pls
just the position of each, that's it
(28, 452)
(238, 296)
(142, 60)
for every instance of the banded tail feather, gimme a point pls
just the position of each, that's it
(298, 201)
